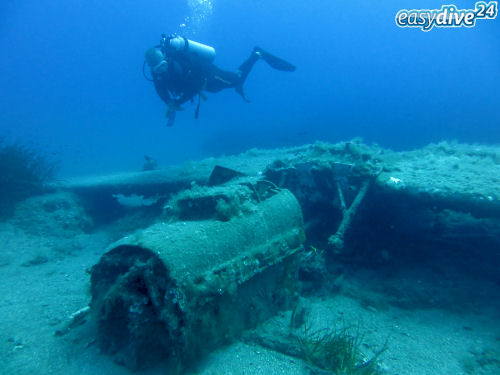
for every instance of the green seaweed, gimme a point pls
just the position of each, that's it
(24, 172)
(338, 351)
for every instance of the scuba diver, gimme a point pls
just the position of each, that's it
(182, 69)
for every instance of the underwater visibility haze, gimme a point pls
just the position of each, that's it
(338, 214)
(72, 78)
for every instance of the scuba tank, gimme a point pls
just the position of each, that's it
(196, 51)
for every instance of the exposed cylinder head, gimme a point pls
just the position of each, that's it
(177, 289)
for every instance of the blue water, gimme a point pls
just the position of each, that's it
(72, 84)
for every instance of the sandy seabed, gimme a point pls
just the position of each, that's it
(437, 320)
(435, 323)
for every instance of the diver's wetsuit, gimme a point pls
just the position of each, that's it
(184, 79)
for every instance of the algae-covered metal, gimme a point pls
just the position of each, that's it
(174, 290)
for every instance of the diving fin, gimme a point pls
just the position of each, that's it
(239, 90)
(273, 61)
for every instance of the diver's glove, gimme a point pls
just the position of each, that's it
(172, 109)
(170, 117)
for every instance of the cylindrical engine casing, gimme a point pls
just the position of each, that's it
(175, 290)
